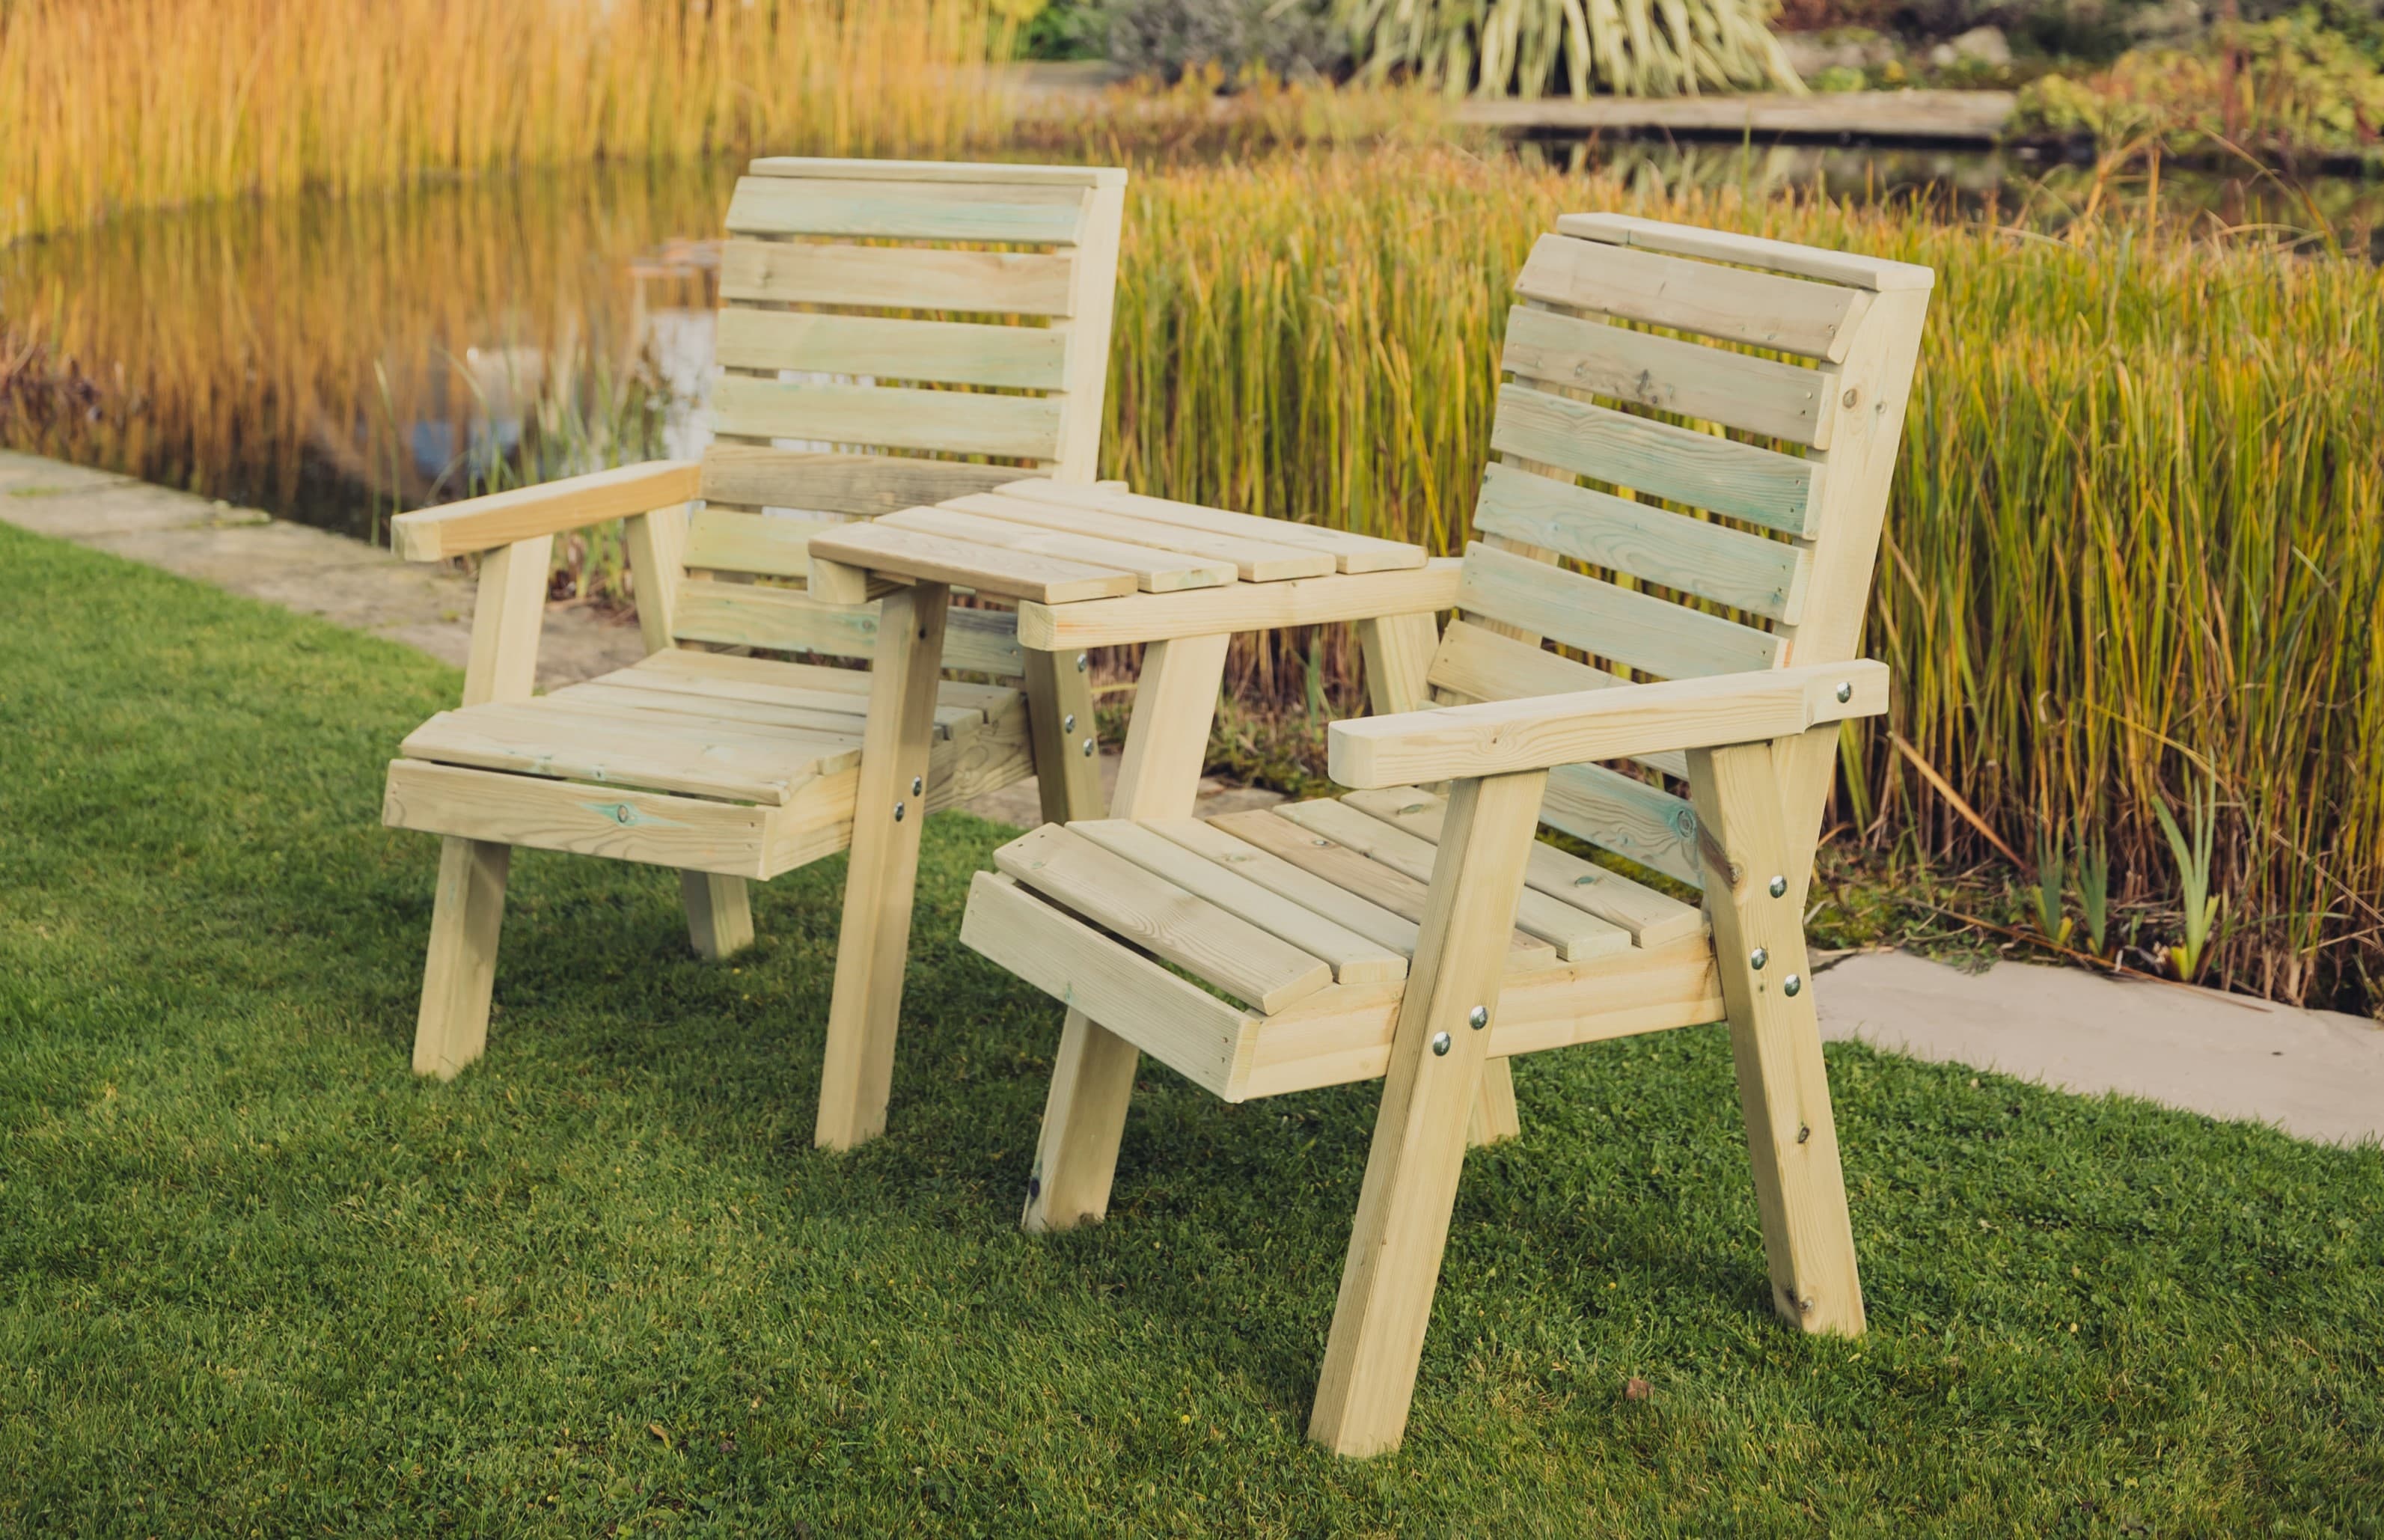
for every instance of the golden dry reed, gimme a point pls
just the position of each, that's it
(109, 105)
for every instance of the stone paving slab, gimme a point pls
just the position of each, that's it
(2315, 1074)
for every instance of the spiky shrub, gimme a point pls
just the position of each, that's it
(1545, 47)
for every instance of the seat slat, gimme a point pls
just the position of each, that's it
(1761, 486)
(1350, 552)
(1812, 320)
(834, 716)
(1155, 571)
(1362, 916)
(1478, 664)
(1256, 561)
(889, 416)
(1575, 933)
(1627, 816)
(975, 173)
(947, 353)
(897, 278)
(753, 477)
(551, 739)
(1354, 958)
(788, 620)
(1737, 389)
(1370, 880)
(1196, 934)
(1669, 640)
(1650, 918)
(907, 211)
(797, 684)
(1713, 560)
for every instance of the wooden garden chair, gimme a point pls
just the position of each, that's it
(707, 757)
(1424, 936)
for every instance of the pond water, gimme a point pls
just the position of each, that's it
(334, 360)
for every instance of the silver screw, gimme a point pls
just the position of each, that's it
(1845, 690)
(1756, 958)
(1084, 661)
(1439, 1043)
(917, 785)
(1088, 747)
(1478, 1018)
(1068, 723)
(1779, 887)
(898, 813)
(1791, 985)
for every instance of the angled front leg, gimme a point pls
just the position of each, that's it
(1435, 1073)
(1060, 726)
(1759, 810)
(888, 806)
(1092, 1080)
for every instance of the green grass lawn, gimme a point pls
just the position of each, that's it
(255, 1278)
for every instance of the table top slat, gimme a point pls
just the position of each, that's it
(1157, 571)
(1257, 561)
(992, 569)
(1351, 552)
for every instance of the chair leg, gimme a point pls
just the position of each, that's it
(461, 972)
(1092, 1079)
(1759, 807)
(1494, 1119)
(1387, 1286)
(719, 914)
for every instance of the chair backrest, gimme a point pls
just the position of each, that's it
(1692, 466)
(892, 333)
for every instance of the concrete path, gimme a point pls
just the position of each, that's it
(2315, 1073)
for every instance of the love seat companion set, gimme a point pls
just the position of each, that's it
(1416, 930)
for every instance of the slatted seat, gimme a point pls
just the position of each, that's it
(1653, 652)
(892, 333)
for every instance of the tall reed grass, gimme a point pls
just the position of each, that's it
(107, 104)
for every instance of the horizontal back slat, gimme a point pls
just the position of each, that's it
(1752, 251)
(1669, 640)
(754, 477)
(898, 278)
(1762, 486)
(788, 620)
(727, 539)
(1474, 662)
(1730, 566)
(980, 174)
(1737, 389)
(907, 210)
(1812, 320)
(947, 353)
(1627, 816)
(1025, 427)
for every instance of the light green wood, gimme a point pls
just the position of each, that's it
(1761, 486)
(916, 277)
(753, 477)
(907, 211)
(1737, 389)
(788, 620)
(1617, 812)
(1713, 560)
(726, 540)
(952, 422)
(1669, 640)
(1764, 310)
(946, 353)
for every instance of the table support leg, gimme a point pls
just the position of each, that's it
(1160, 778)
(1059, 721)
(889, 805)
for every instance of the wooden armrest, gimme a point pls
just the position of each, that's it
(1538, 733)
(525, 512)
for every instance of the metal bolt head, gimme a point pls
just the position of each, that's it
(1478, 1018)
(898, 813)
(918, 784)
(1756, 958)
(1088, 747)
(1779, 887)
(1068, 723)
(1084, 661)
(1791, 985)
(1845, 692)
(1440, 1043)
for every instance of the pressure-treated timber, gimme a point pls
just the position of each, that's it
(1762, 486)
(550, 508)
(1767, 310)
(1636, 630)
(1240, 607)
